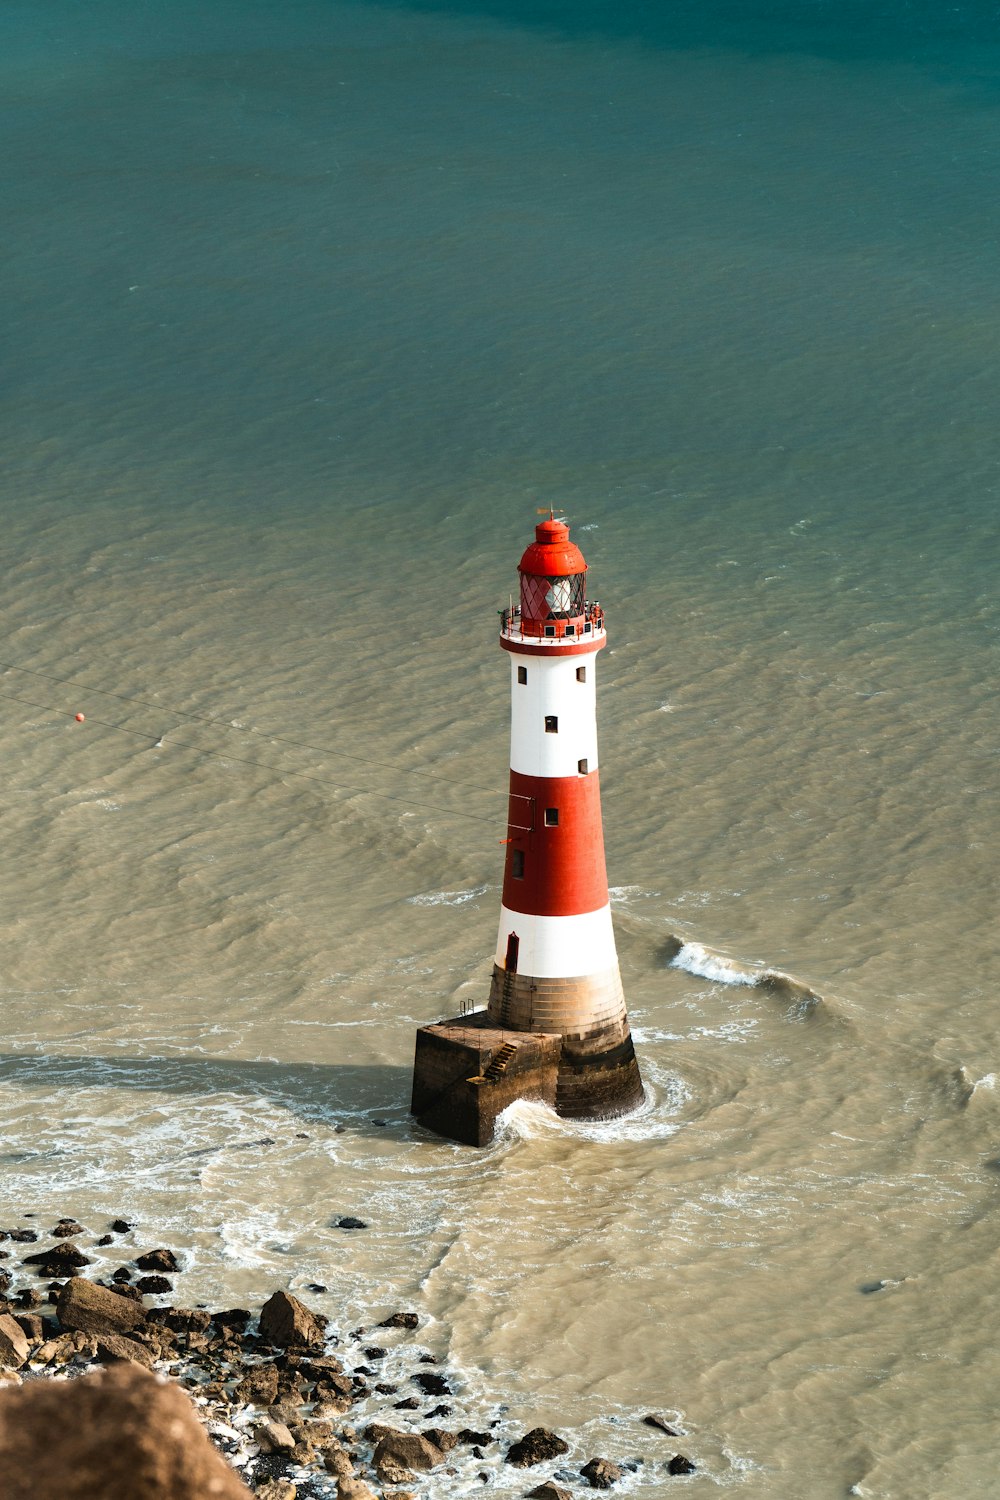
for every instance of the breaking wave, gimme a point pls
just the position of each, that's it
(695, 959)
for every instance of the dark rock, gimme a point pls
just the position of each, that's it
(154, 1284)
(350, 1223)
(437, 1411)
(58, 1260)
(106, 1239)
(5, 1281)
(233, 1317)
(95, 1309)
(259, 1385)
(410, 1404)
(121, 1226)
(29, 1299)
(431, 1385)
(54, 1288)
(680, 1465)
(601, 1473)
(401, 1320)
(549, 1491)
(22, 1236)
(654, 1420)
(441, 1439)
(65, 1228)
(315, 1286)
(112, 1347)
(157, 1260)
(428, 1359)
(384, 1389)
(31, 1325)
(478, 1439)
(535, 1447)
(122, 1289)
(122, 1274)
(284, 1320)
(374, 1353)
(182, 1319)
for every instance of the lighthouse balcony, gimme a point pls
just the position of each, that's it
(516, 626)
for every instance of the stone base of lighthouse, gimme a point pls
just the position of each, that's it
(468, 1070)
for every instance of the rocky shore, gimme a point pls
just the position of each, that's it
(300, 1411)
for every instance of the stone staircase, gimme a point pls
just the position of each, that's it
(497, 1065)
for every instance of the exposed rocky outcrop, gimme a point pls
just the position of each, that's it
(286, 1322)
(97, 1309)
(535, 1447)
(601, 1473)
(121, 1433)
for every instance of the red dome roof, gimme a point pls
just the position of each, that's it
(552, 554)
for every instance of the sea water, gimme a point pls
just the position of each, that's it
(308, 307)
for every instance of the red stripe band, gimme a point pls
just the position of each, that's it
(555, 858)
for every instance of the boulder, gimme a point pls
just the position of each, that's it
(13, 1344)
(400, 1320)
(535, 1447)
(349, 1222)
(680, 1465)
(65, 1228)
(57, 1260)
(655, 1420)
(259, 1385)
(409, 1450)
(157, 1260)
(114, 1346)
(549, 1491)
(117, 1432)
(121, 1226)
(351, 1488)
(154, 1285)
(287, 1322)
(273, 1437)
(336, 1461)
(601, 1473)
(431, 1384)
(390, 1471)
(96, 1309)
(31, 1325)
(441, 1439)
(276, 1489)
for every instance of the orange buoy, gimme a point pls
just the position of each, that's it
(80, 718)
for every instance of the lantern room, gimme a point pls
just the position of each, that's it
(553, 581)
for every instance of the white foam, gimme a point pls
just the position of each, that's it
(695, 959)
(448, 898)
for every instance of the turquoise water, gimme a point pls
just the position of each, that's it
(306, 310)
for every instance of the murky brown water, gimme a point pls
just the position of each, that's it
(307, 313)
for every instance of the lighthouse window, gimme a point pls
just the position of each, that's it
(551, 724)
(581, 766)
(517, 863)
(522, 674)
(581, 674)
(552, 817)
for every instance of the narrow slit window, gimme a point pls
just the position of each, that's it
(522, 674)
(551, 724)
(581, 766)
(517, 864)
(581, 674)
(552, 817)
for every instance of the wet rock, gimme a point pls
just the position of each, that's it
(441, 1439)
(680, 1465)
(106, 1239)
(348, 1222)
(21, 1236)
(114, 1346)
(401, 1320)
(276, 1489)
(122, 1289)
(601, 1473)
(386, 1390)
(320, 1366)
(410, 1450)
(121, 1433)
(285, 1321)
(410, 1403)
(233, 1317)
(57, 1260)
(157, 1260)
(273, 1437)
(549, 1491)
(66, 1227)
(316, 1286)
(259, 1385)
(31, 1325)
(154, 1284)
(182, 1319)
(96, 1309)
(336, 1461)
(469, 1435)
(121, 1226)
(535, 1447)
(352, 1488)
(5, 1281)
(391, 1471)
(13, 1344)
(430, 1384)
(437, 1411)
(374, 1352)
(121, 1274)
(655, 1420)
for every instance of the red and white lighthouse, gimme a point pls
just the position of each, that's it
(555, 1026)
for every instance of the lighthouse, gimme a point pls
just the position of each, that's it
(555, 1027)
